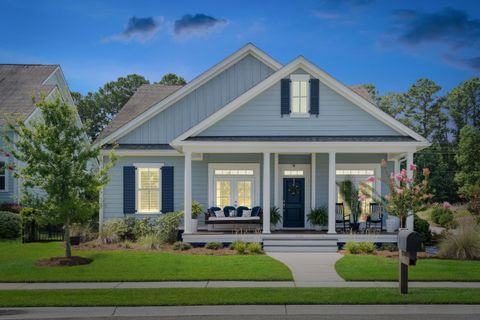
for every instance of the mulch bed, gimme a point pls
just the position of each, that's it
(95, 245)
(63, 261)
(388, 254)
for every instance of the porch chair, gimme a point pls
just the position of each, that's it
(341, 217)
(375, 217)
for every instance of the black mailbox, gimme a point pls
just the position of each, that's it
(409, 241)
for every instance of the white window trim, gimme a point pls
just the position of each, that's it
(364, 166)
(148, 165)
(300, 77)
(5, 160)
(234, 166)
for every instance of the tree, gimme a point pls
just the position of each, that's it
(467, 159)
(372, 91)
(59, 178)
(463, 104)
(393, 104)
(97, 109)
(172, 79)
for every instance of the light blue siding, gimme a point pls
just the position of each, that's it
(261, 117)
(9, 194)
(201, 103)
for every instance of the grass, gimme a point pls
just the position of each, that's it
(17, 264)
(366, 267)
(234, 296)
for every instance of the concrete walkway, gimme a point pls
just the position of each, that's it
(310, 267)
(230, 284)
(473, 311)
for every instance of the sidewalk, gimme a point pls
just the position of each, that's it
(230, 284)
(246, 310)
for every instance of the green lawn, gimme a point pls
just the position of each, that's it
(17, 264)
(365, 268)
(234, 296)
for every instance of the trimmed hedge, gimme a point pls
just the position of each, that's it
(10, 225)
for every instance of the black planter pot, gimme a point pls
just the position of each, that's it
(74, 241)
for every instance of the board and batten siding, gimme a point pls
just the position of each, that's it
(261, 117)
(200, 103)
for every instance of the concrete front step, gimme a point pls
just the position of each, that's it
(297, 243)
(299, 249)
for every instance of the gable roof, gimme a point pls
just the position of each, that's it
(300, 62)
(362, 92)
(147, 96)
(18, 84)
(248, 49)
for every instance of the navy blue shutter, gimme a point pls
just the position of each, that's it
(129, 189)
(167, 189)
(285, 96)
(314, 96)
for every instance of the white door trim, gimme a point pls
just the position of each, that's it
(307, 176)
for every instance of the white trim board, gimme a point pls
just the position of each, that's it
(248, 49)
(324, 78)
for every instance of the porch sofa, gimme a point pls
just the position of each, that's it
(232, 215)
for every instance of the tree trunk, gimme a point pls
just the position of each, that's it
(68, 247)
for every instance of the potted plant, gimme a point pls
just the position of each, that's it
(197, 210)
(318, 217)
(75, 234)
(275, 217)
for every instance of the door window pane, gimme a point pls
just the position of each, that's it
(223, 193)
(244, 193)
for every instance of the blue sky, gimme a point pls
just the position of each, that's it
(387, 43)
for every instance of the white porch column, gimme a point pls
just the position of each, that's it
(100, 198)
(266, 192)
(187, 207)
(396, 166)
(410, 175)
(313, 170)
(331, 192)
(275, 181)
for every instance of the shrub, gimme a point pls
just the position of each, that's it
(462, 243)
(86, 232)
(318, 216)
(390, 247)
(214, 245)
(142, 228)
(255, 247)
(239, 246)
(113, 230)
(10, 207)
(275, 216)
(422, 226)
(442, 216)
(167, 225)
(366, 247)
(197, 209)
(10, 225)
(181, 246)
(352, 247)
(29, 215)
(150, 242)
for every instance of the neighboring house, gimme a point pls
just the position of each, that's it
(19, 84)
(244, 133)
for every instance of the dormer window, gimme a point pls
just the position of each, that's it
(299, 95)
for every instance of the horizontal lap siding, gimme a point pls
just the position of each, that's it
(201, 103)
(261, 116)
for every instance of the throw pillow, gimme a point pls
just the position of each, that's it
(232, 213)
(247, 213)
(219, 214)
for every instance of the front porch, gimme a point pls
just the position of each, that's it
(246, 178)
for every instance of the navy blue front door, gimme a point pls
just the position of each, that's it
(294, 202)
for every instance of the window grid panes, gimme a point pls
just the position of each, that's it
(293, 173)
(148, 190)
(223, 193)
(234, 172)
(3, 180)
(244, 193)
(355, 172)
(299, 96)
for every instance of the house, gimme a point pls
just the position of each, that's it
(250, 132)
(19, 84)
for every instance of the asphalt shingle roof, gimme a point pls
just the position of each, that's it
(19, 83)
(144, 98)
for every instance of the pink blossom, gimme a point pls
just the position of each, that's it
(371, 179)
(387, 197)
(446, 205)
(413, 167)
(399, 177)
(403, 173)
(399, 190)
(361, 198)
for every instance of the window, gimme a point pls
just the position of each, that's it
(299, 96)
(148, 188)
(353, 182)
(3, 175)
(233, 185)
(293, 173)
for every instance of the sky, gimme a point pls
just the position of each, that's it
(390, 44)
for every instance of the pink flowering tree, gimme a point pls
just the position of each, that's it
(406, 196)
